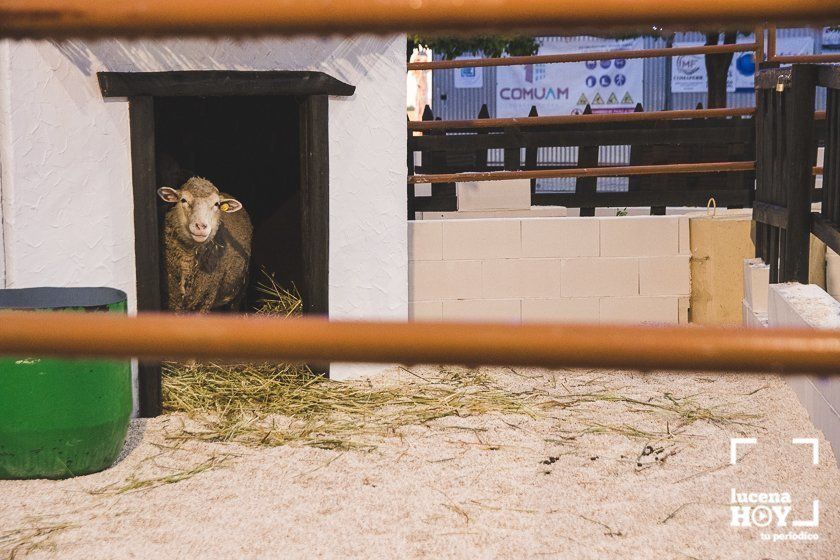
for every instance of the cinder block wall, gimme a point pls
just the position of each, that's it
(617, 269)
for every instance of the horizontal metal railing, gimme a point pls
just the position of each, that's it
(74, 18)
(313, 340)
(580, 57)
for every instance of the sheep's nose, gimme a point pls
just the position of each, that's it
(200, 226)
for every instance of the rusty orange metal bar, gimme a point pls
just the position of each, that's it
(771, 42)
(525, 122)
(67, 18)
(579, 57)
(609, 171)
(759, 46)
(806, 58)
(161, 336)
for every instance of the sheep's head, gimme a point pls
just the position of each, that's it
(199, 207)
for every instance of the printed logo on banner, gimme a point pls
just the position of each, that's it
(566, 88)
(466, 78)
(688, 72)
(831, 37)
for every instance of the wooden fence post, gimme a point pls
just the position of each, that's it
(481, 155)
(587, 157)
(410, 167)
(639, 155)
(531, 153)
(798, 129)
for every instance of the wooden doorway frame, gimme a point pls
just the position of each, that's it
(312, 89)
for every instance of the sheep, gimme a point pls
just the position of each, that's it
(207, 248)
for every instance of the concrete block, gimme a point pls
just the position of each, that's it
(436, 280)
(809, 306)
(483, 310)
(719, 246)
(756, 283)
(636, 236)
(640, 310)
(753, 319)
(425, 241)
(685, 237)
(832, 273)
(532, 212)
(567, 237)
(482, 239)
(534, 278)
(664, 276)
(494, 195)
(684, 308)
(592, 276)
(563, 310)
(816, 262)
(802, 305)
(425, 311)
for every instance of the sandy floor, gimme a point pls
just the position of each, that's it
(618, 479)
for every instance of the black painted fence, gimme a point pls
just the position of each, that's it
(786, 154)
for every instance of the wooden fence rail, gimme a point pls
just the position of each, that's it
(676, 158)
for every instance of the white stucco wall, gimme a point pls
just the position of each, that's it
(66, 170)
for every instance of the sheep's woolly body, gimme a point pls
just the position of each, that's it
(209, 275)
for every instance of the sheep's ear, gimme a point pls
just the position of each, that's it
(230, 205)
(168, 194)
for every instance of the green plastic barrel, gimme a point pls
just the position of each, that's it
(61, 417)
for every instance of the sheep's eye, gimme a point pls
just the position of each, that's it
(184, 200)
(218, 204)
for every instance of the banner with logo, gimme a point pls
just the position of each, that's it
(466, 78)
(608, 86)
(688, 72)
(831, 37)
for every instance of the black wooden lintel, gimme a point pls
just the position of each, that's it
(214, 83)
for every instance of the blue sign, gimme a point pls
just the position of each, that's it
(591, 64)
(620, 79)
(605, 81)
(590, 81)
(620, 63)
(606, 63)
(746, 64)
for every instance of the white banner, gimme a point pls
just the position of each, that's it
(831, 37)
(688, 72)
(468, 77)
(608, 86)
(743, 64)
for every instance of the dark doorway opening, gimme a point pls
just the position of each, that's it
(260, 136)
(249, 148)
